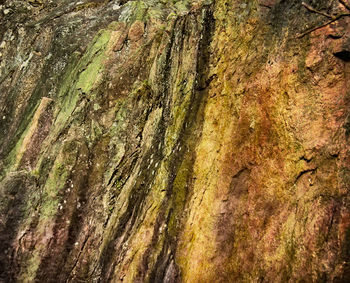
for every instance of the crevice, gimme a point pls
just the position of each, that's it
(78, 257)
(302, 173)
(265, 6)
(304, 158)
(330, 225)
(343, 55)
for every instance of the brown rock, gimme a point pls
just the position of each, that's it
(136, 31)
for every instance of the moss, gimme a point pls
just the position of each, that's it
(31, 268)
(96, 132)
(181, 6)
(91, 64)
(133, 11)
(144, 11)
(179, 113)
(115, 25)
(180, 189)
(57, 179)
(81, 79)
(48, 200)
(11, 160)
(14, 157)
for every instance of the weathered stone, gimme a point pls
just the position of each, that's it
(136, 31)
(174, 141)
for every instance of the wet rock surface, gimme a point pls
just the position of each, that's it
(174, 141)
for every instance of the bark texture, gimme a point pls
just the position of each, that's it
(174, 141)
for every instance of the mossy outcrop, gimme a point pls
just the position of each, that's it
(173, 141)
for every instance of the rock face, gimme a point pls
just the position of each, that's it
(174, 141)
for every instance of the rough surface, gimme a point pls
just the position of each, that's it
(174, 141)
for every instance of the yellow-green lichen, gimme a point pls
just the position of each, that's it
(180, 189)
(32, 265)
(91, 65)
(14, 158)
(81, 79)
(133, 11)
(57, 179)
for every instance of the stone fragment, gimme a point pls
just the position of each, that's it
(120, 37)
(115, 7)
(136, 31)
